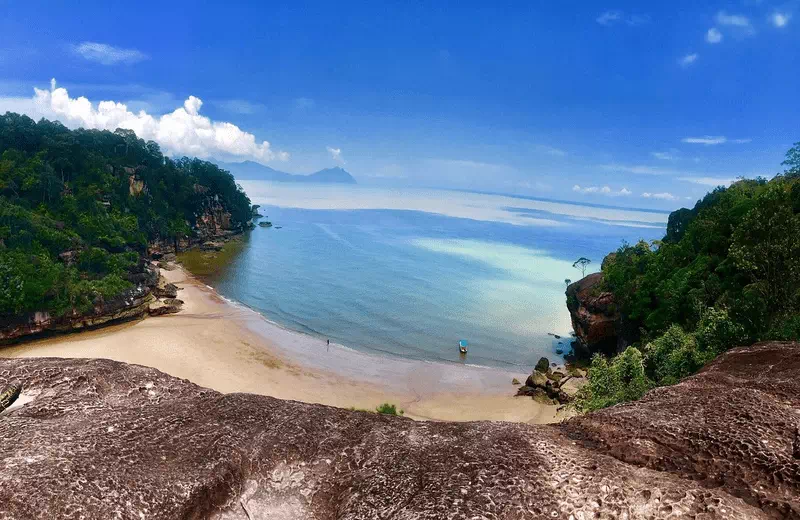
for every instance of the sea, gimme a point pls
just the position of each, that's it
(411, 272)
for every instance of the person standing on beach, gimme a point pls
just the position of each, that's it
(329, 344)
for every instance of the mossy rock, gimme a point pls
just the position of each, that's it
(536, 379)
(543, 365)
(515, 381)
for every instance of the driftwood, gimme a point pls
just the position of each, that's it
(9, 395)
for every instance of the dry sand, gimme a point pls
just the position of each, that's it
(230, 348)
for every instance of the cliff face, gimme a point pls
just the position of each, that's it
(213, 220)
(100, 439)
(595, 318)
(136, 302)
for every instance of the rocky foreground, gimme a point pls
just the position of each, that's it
(101, 439)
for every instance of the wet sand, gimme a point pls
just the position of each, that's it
(231, 348)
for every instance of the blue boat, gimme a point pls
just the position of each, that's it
(462, 346)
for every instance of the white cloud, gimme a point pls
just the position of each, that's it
(613, 17)
(661, 196)
(688, 60)
(108, 54)
(713, 35)
(780, 19)
(708, 181)
(710, 140)
(604, 190)
(181, 132)
(664, 156)
(738, 21)
(609, 17)
(336, 154)
(706, 140)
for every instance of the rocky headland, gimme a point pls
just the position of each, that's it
(102, 439)
(596, 319)
(149, 294)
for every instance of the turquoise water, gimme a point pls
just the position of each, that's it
(411, 272)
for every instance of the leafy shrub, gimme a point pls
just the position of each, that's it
(717, 332)
(388, 409)
(786, 328)
(672, 356)
(611, 382)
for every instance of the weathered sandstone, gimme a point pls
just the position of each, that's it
(101, 439)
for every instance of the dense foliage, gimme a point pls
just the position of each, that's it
(72, 226)
(727, 273)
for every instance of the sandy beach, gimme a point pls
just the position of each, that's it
(231, 348)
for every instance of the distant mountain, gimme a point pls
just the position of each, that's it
(249, 170)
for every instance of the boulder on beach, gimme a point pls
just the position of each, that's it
(167, 266)
(166, 306)
(543, 365)
(164, 289)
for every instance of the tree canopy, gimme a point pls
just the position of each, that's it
(727, 273)
(78, 208)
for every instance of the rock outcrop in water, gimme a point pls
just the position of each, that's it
(99, 439)
(595, 317)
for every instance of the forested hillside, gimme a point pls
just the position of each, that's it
(726, 274)
(78, 208)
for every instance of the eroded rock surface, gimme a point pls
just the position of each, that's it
(102, 439)
(730, 427)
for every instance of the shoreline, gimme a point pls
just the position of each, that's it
(229, 347)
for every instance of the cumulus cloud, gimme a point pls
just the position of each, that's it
(336, 154)
(713, 35)
(613, 17)
(181, 132)
(688, 59)
(780, 19)
(604, 190)
(108, 54)
(662, 196)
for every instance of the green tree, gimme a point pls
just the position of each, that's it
(792, 161)
(581, 264)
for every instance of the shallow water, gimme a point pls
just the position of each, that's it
(411, 272)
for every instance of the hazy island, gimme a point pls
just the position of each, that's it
(249, 170)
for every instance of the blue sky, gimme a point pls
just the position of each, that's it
(625, 103)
